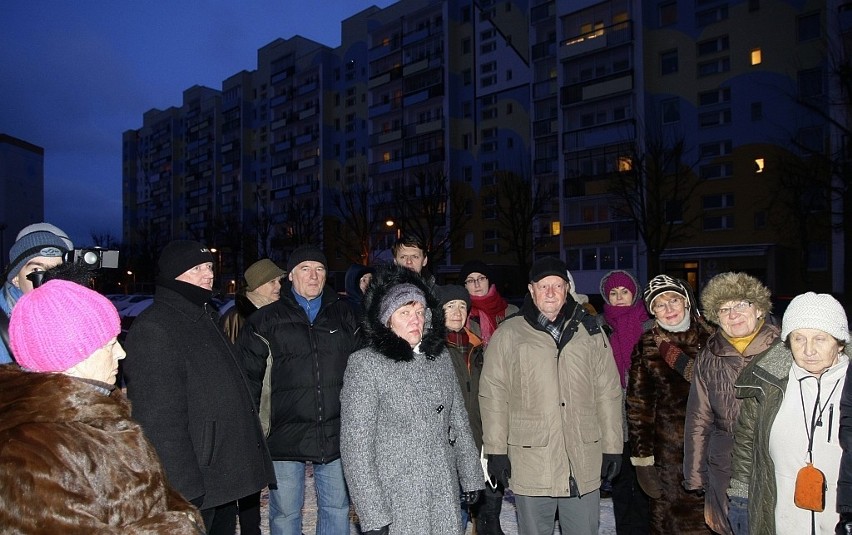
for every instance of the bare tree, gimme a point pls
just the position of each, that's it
(653, 189)
(431, 207)
(519, 202)
(302, 224)
(356, 216)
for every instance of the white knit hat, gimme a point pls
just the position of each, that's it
(815, 311)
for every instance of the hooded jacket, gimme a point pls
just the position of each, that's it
(406, 442)
(308, 360)
(73, 462)
(555, 408)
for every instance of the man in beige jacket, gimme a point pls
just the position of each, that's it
(551, 399)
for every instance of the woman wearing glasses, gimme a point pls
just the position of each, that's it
(487, 307)
(661, 371)
(739, 304)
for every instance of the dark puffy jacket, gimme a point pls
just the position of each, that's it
(308, 361)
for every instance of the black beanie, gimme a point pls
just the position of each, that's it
(474, 266)
(452, 292)
(181, 255)
(547, 266)
(305, 253)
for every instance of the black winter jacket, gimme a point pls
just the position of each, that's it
(308, 361)
(190, 395)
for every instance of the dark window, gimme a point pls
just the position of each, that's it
(668, 13)
(808, 27)
(668, 62)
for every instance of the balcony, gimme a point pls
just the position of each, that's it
(614, 35)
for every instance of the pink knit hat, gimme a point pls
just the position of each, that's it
(60, 324)
(617, 279)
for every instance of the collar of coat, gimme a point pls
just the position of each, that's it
(381, 338)
(772, 367)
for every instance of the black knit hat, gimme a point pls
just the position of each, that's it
(453, 292)
(305, 253)
(546, 266)
(474, 266)
(180, 255)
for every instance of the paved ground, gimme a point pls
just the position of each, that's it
(507, 517)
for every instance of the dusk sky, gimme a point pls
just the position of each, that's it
(78, 74)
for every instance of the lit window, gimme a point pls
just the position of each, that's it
(755, 56)
(555, 228)
(758, 165)
(386, 156)
(625, 164)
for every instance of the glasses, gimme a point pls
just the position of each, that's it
(476, 282)
(739, 308)
(674, 303)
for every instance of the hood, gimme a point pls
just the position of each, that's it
(380, 337)
(352, 281)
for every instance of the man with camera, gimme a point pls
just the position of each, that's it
(37, 248)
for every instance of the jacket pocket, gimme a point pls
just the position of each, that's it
(590, 429)
(528, 430)
(208, 443)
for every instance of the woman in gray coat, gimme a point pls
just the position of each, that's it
(405, 441)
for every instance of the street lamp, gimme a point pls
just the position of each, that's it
(133, 278)
(390, 224)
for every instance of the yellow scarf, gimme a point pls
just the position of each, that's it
(740, 344)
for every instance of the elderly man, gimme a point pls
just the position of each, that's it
(309, 332)
(188, 391)
(550, 399)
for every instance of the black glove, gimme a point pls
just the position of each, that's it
(470, 497)
(738, 515)
(384, 530)
(611, 466)
(649, 481)
(844, 527)
(500, 469)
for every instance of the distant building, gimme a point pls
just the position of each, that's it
(21, 189)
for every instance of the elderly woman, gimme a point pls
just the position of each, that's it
(739, 304)
(625, 314)
(789, 419)
(71, 459)
(405, 439)
(657, 390)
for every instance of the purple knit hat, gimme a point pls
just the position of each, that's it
(60, 324)
(617, 279)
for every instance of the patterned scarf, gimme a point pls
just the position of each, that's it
(673, 355)
(553, 327)
(489, 310)
(466, 342)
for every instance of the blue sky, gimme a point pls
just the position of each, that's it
(76, 74)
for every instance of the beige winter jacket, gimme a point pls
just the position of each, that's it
(554, 411)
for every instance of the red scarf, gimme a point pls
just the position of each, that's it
(489, 310)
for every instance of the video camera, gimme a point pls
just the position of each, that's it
(94, 258)
(77, 265)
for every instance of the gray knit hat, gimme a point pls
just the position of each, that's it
(397, 297)
(32, 245)
(815, 311)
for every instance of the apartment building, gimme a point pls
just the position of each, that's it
(683, 136)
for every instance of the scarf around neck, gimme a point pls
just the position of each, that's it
(626, 323)
(672, 354)
(489, 310)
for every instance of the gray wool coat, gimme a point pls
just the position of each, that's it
(406, 444)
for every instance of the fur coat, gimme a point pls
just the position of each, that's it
(656, 409)
(72, 461)
(406, 443)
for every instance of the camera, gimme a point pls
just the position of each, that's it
(93, 258)
(77, 266)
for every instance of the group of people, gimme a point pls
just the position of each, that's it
(418, 403)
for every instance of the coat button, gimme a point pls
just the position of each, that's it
(439, 409)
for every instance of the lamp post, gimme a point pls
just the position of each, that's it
(217, 266)
(390, 223)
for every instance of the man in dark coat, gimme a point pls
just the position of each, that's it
(189, 393)
(310, 332)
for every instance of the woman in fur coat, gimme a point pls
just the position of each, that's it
(71, 459)
(405, 441)
(739, 304)
(657, 389)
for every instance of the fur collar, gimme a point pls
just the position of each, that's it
(379, 336)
